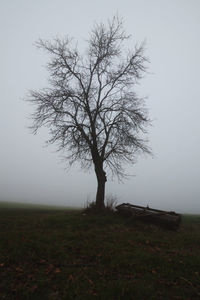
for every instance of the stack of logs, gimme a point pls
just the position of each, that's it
(166, 219)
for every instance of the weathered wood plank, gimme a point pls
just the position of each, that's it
(167, 219)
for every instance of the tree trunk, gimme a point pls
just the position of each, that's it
(101, 180)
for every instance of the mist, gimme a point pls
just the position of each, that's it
(33, 173)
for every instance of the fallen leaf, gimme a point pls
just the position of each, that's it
(18, 269)
(49, 268)
(57, 270)
(90, 281)
(33, 288)
(42, 261)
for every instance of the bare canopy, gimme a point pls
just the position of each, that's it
(91, 108)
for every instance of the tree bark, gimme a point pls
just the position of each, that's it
(101, 180)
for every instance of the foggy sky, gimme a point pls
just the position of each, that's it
(30, 172)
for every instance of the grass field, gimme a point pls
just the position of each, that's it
(63, 254)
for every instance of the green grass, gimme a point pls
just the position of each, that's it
(63, 254)
(32, 206)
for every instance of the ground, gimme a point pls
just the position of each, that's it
(64, 254)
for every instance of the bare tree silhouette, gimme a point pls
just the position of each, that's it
(91, 107)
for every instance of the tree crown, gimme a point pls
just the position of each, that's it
(91, 107)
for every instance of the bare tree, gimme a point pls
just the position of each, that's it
(91, 107)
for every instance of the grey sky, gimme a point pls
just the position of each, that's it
(29, 172)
